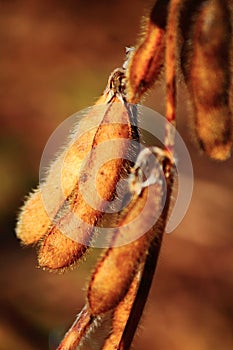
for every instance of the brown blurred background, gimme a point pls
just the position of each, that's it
(55, 60)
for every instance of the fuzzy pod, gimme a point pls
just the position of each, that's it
(147, 60)
(121, 315)
(115, 271)
(206, 65)
(44, 203)
(61, 199)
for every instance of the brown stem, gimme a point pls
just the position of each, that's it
(79, 328)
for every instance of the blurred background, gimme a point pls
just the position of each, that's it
(55, 59)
